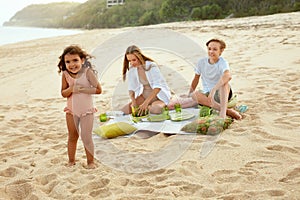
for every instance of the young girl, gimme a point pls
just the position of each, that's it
(79, 82)
(147, 88)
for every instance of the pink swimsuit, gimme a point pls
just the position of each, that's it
(79, 104)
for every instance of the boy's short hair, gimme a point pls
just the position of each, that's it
(221, 42)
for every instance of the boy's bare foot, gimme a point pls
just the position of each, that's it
(234, 114)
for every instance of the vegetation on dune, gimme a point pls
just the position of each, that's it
(95, 14)
(43, 15)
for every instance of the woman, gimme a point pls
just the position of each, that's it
(147, 87)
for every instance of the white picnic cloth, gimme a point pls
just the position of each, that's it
(167, 126)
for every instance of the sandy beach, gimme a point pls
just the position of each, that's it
(258, 157)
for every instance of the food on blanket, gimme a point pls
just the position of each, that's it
(114, 130)
(205, 111)
(135, 112)
(177, 107)
(136, 119)
(208, 125)
(103, 117)
(165, 112)
(158, 118)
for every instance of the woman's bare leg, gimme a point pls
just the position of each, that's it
(185, 102)
(156, 107)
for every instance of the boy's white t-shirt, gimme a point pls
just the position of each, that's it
(210, 73)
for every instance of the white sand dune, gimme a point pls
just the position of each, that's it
(256, 158)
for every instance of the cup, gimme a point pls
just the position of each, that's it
(165, 112)
(103, 117)
(134, 111)
(177, 107)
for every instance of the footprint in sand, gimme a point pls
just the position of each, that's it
(252, 170)
(292, 177)
(261, 133)
(20, 189)
(9, 172)
(239, 131)
(225, 143)
(282, 149)
(185, 188)
(46, 179)
(49, 181)
(98, 189)
(275, 193)
(21, 140)
(288, 122)
(225, 176)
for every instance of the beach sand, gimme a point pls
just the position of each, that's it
(258, 157)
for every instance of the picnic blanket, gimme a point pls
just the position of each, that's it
(166, 126)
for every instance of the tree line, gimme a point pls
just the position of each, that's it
(95, 14)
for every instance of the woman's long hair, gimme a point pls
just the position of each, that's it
(140, 56)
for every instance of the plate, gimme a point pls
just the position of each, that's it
(183, 115)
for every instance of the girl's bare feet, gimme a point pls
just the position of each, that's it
(70, 164)
(91, 166)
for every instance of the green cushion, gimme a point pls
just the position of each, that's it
(114, 130)
(208, 125)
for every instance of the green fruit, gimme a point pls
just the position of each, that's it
(205, 111)
(157, 118)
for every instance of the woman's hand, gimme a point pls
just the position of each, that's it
(143, 108)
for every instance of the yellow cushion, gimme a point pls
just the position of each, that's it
(114, 130)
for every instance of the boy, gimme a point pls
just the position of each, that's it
(215, 77)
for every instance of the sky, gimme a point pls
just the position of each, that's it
(8, 8)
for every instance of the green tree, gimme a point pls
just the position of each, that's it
(196, 13)
(95, 14)
(213, 11)
(148, 18)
